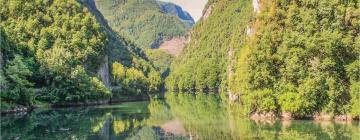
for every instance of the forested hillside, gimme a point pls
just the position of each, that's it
(148, 24)
(52, 51)
(214, 42)
(303, 59)
(144, 22)
(131, 72)
(292, 57)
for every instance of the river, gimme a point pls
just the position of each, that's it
(178, 116)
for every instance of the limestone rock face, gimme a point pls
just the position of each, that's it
(233, 97)
(173, 46)
(263, 116)
(343, 118)
(286, 116)
(323, 117)
(256, 5)
(207, 13)
(104, 73)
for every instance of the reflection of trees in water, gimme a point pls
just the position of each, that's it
(72, 123)
(52, 124)
(125, 121)
(207, 116)
(203, 116)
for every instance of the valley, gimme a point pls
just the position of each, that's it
(151, 69)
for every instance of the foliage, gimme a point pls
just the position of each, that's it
(19, 90)
(214, 43)
(146, 24)
(353, 72)
(298, 56)
(134, 81)
(161, 61)
(262, 101)
(51, 44)
(305, 52)
(141, 21)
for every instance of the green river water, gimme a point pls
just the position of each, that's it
(178, 116)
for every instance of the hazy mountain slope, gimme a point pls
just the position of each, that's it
(144, 22)
(173, 9)
(123, 53)
(148, 24)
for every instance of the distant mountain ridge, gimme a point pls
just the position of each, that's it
(176, 10)
(146, 23)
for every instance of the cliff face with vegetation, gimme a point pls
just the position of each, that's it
(303, 59)
(60, 49)
(203, 63)
(148, 24)
(294, 57)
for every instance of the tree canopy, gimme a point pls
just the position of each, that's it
(300, 57)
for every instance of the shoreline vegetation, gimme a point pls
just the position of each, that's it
(23, 109)
(257, 116)
(297, 57)
(278, 60)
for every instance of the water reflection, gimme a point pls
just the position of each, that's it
(179, 116)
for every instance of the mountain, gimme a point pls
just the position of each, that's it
(148, 22)
(203, 63)
(291, 58)
(173, 9)
(64, 52)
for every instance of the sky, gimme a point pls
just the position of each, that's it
(194, 7)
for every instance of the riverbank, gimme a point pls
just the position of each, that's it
(316, 117)
(17, 109)
(24, 109)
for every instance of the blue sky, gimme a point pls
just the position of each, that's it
(194, 7)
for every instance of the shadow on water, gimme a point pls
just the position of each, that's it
(178, 116)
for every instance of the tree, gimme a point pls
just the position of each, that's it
(20, 90)
(154, 81)
(118, 71)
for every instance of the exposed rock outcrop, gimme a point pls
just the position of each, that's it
(174, 46)
(104, 73)
(18, 109)
(322, 117)
(233, 97)
(256, 5)
(263, 116)
(249, 31)
(343, 118)
(287, 116)
(207, 12)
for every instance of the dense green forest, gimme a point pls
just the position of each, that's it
(141, 21)
(51, 51)
(214, 42)
(147, 23)
(294, 57)
(299, 57)
(303, 59)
